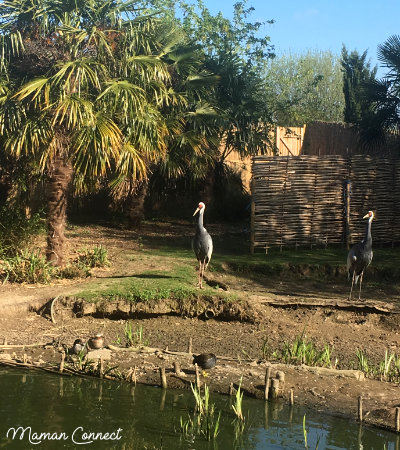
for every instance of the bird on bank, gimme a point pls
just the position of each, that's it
(202, 243)
(205, 361)
(78, 348)
(360, 256)
(96, 342)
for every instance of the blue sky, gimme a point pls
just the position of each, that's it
(323, 25)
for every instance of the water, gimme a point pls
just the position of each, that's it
(142, 417)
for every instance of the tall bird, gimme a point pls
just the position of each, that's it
(202, 243)
(360, 256)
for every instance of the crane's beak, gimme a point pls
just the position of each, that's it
(197, 210)
(366, 216)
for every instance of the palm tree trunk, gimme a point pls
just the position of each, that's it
(134, 207)
(57, 189)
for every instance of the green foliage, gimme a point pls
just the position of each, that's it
(204, 421)
(304, 351)
(27, 266)
(81, 265)
(300, 88)
(356, 73)
(94, 257)
(30, 266)
(387, 369)
(134, 336)
(383, 96)
(17, 231)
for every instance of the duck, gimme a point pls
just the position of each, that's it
(97, 341)
(79, 347)
(205, 361)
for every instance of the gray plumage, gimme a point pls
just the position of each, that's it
(202, 243)
(360, 256)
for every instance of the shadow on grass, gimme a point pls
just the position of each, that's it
(150, 276)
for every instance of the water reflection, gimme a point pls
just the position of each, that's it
(148, 418)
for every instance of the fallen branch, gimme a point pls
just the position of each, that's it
(52, 309)
(6, 346)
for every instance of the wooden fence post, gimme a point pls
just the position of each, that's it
(252, 212)
(347, 191)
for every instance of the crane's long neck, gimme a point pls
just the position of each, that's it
(200, 226)
(368, 236)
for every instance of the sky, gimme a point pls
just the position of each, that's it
(323, 25)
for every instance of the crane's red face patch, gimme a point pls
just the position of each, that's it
(201, 205)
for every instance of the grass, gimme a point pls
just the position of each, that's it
(27, 266)
(388, 369)
(177, 282)
(205, 420)
(134, 336)
(304, 351)
(31, 266)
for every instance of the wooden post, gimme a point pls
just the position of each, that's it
(291, 398)
(397, 419)
(266, 386)
(177, 369)
(281, 377)
(360, 408)
(198, 383)
(253, 210)
(275, 388)
(347, 192)
(133, 376)
(190, 346)
(62, 362)
(101, 367)
(163, 378)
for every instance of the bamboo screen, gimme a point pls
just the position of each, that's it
(302, 200)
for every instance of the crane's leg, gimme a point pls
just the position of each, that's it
(361, 277)
(352, 283)
(200, 276)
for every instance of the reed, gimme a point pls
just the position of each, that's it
(205, 420)
(304, 351)
(134, 336)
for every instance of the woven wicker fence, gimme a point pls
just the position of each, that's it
(311, 200)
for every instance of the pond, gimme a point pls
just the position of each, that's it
(69, 412)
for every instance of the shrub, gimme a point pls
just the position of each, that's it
(17, 231)
(27, 266)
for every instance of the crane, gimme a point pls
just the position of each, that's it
(202, 243)
(360, 256)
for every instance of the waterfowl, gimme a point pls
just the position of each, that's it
(79, 347)
(205, 360)
(97, 341)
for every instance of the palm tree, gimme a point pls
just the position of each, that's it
(82, 88)
(384, 95)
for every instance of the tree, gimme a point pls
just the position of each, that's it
(300, 88)
(356, 72)
(82, 88)
(383, 96)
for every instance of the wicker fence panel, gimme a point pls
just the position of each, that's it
(301, 200)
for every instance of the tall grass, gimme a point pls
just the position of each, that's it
(27, 266)
(204, 421)
(304, 351)
(134, 336)
(388, 369)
